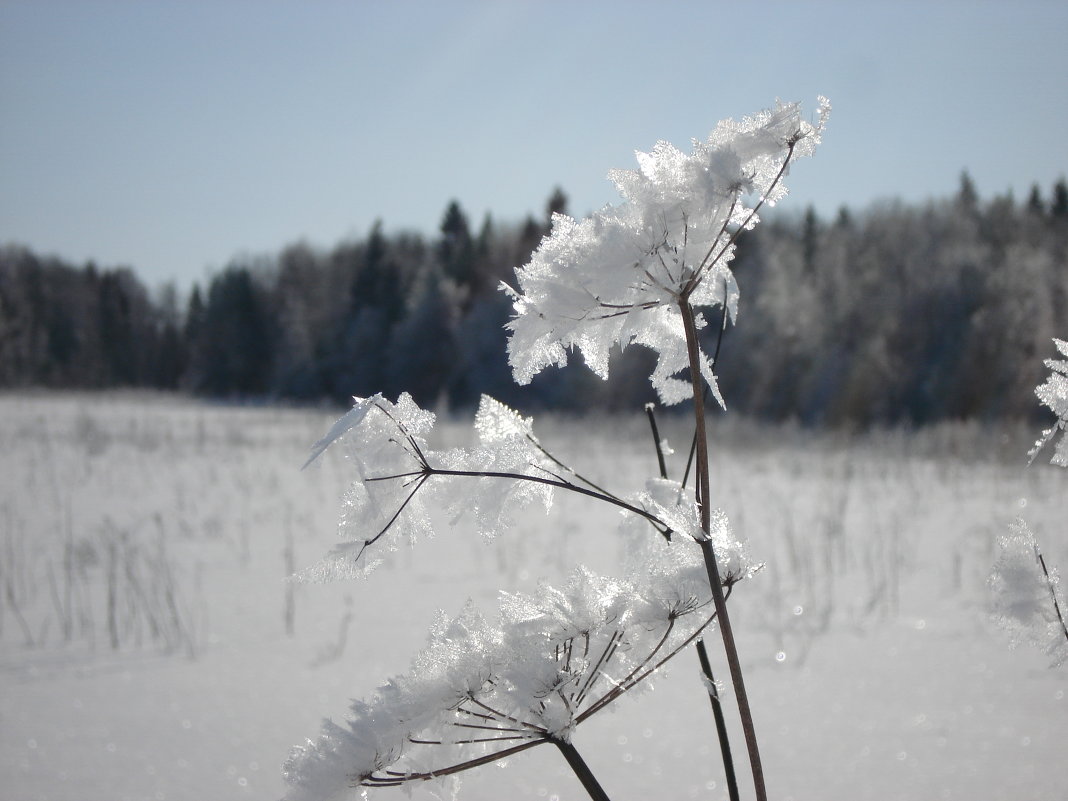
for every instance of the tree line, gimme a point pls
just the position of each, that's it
(901, 313)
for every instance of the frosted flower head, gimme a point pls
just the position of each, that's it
(618, 277)
(400, 479)
(1054, 394)
(479, 692)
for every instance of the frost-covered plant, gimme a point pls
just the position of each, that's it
(639, 272)
(1028, 600)
(479, 692)
(628, 273)
(1054, 394)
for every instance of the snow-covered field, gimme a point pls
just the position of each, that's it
(144, 651)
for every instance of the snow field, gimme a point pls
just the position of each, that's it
(144, 651)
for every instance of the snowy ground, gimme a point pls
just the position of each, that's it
(144, 651)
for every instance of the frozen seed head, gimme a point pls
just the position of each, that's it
(479, 692)
(619, 276)
(400, 479)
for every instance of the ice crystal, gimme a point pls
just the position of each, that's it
(618, 276)
(1028, 601)
(480, 692)
(1054, 394)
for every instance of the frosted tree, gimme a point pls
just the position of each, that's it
(643, 272)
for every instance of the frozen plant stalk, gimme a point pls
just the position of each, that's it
(640, 272)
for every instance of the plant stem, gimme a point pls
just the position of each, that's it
(434, 471)
(721, 723)
(1053, 594)
(702, 652)
(656, 441)
(582, 770)
(709, 553)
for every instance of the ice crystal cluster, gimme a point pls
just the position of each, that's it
(1026, 598)
(1054, 394)
(618, 276)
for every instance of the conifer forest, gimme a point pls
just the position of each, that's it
(893, 314)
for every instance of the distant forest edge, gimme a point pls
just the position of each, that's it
(897, 314)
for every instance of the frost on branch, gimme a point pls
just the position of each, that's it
(618, 277)
(479, 692)
(400, 479)
(1054, 394)
(1028, 601)
(676, 570)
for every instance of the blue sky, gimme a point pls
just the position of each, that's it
(172, 136)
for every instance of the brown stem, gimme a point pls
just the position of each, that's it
(721, 723)
(582, 770)
(709, 553)
(1053, 594)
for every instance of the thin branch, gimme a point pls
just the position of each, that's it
(1053, 595)
(611, 499)
(694, 279)
(606, 655)
(472, 740)
(636, 678)
(544, 452)
(705, 263)
(502, 716)
(712, 367)
(628, 682)
(656, 440)
(721, 723)
(392, 520)
(393, 778)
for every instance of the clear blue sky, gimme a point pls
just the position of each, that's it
(170, 136)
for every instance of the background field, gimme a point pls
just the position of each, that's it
(144, 651)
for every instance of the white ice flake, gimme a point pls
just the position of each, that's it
(618, 276)
(350, 420)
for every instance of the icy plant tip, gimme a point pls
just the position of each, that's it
(1054, 394)
(619, 276)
